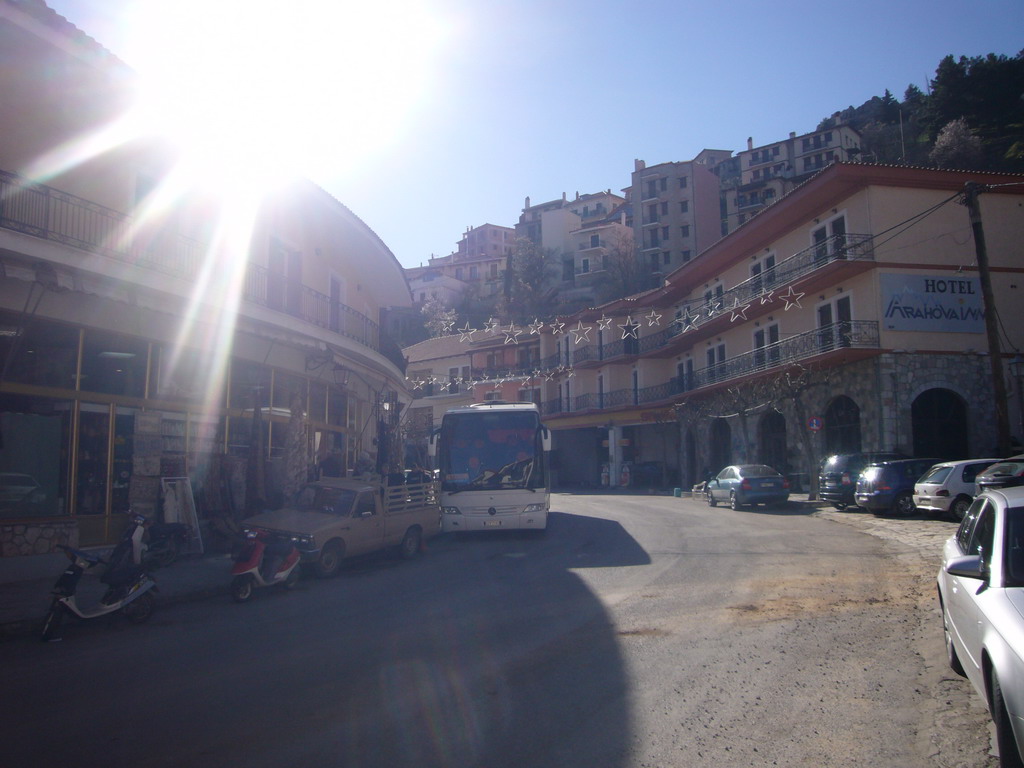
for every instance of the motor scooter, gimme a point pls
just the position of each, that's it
(164, 543)
(265, 559)
(130, 593)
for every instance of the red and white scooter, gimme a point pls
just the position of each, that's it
(265, 560)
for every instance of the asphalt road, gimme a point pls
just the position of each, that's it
(640, 631)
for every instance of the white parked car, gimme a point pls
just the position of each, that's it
(981, 593)
(948, 488)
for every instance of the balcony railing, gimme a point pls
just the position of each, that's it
(837, 248)
(848, 334)
(44, 212)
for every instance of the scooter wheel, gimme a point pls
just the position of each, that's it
(292, 579)
(51, 626)
(241, 588)
(140, 609)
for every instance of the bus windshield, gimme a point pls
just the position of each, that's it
(488, 451)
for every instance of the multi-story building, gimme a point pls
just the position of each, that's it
(769, 172)
(676, 210)
(139, 347)
(567, 229)
(848, 316)
(478, 261)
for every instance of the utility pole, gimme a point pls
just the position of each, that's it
(971, 192)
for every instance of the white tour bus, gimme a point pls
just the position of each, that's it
(492, 459)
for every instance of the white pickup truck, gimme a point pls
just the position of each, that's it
(335, 518)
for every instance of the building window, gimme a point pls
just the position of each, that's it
(584, 265)
(766, 348)
(664, 208)
(666, 258)
(664, 233)
(685, 255)
(763, 273)
(716, 362)
(684, 206)
(684, 231)
(595, 241)
(683, 182)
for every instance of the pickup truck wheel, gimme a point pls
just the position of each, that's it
(329, 561)
(411, 543)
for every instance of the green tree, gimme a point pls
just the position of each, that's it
(439, 319)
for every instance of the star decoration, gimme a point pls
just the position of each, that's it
(688, 321)
(491, 326)
(630, 328)
(653, 318)
(446, 326)
(466, 333)
(581, 333)
(792, 298)
(767, 297)
(570, 372)
(557, 327)
(737, 311)
(604, 323)
(535, 326)
(714, 306)
(548, 376)
(512, 334)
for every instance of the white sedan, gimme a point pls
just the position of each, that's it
(981, 592)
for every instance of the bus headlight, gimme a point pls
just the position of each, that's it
(533, 508)
(450, 511)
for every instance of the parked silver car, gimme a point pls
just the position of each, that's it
(948, 488)
(981, 593)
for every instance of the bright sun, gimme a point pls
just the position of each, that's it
(255, 89)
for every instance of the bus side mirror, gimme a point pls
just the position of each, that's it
(545, 438)
(432, 445)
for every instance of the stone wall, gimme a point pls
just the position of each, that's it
(884, 389)
(42, 538)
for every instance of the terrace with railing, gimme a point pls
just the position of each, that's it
(848, 334)
(50, 214)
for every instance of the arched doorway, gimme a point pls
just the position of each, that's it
(939, 424)
(720, 453)
(842, 426)
(772, 449)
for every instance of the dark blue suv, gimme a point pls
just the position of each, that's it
(837, 475)
(888, 487)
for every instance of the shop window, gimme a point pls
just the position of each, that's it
(114, 364)
(34, 456)
(93, 444)
(38, 352)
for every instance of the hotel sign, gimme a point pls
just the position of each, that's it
(932, 303)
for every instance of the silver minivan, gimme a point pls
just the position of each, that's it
(948, 488)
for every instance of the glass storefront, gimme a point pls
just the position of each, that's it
(88, 418)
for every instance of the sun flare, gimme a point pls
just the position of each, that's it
(251, 90)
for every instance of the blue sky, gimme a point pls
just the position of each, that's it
(540, 97)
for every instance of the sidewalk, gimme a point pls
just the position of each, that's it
(25, 584)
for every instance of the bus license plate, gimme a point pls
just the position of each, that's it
(492, 523)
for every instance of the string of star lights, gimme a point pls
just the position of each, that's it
(689, 316)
